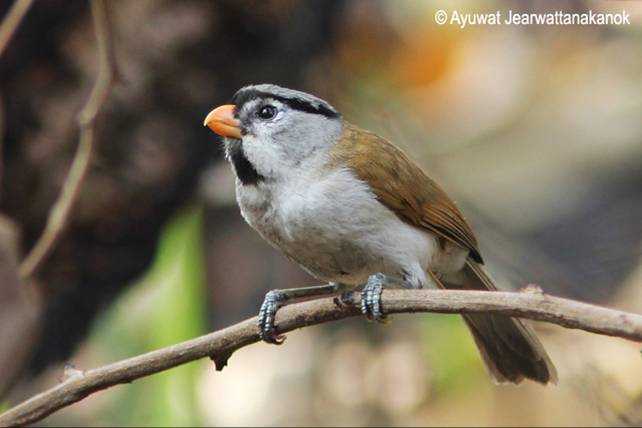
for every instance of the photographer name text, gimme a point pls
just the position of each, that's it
(558, 17)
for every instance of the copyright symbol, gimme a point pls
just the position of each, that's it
(441, 17)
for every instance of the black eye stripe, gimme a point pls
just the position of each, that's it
(309, 108)
(244, 96)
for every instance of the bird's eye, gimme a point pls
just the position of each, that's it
(267, 112)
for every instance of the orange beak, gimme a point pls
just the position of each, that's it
(221, 120)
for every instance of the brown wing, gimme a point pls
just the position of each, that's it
(402, 186)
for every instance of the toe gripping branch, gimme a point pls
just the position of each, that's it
(273, 301)
(371, 298)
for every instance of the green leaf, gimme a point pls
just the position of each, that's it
(165, 307)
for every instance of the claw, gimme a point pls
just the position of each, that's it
(271, 304)
(371, 298)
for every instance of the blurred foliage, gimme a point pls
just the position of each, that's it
(165, 307)
(453, 355)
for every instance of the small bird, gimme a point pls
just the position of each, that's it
(354, 210)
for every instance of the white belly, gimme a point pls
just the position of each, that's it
(337, 230)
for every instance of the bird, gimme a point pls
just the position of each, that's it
(354, 210)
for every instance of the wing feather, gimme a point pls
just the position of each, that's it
(402, 186)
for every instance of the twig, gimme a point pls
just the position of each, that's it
(11, 22)
(60, 212)
(221, 344)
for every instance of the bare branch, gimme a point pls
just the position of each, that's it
(12, 21)
(60, 212)
(221, 344)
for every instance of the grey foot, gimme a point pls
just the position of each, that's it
(271, 304)
(371, 298)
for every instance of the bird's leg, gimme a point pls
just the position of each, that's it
(371, 294)
(275, 299)
(371, 297)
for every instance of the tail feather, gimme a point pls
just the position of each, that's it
(508, 346)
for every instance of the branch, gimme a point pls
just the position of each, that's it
(12, 21)
(220, 345)
(60, 212)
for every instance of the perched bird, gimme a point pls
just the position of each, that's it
(351, 208)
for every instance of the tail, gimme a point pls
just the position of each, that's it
(509, 347)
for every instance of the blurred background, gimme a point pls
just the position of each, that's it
(536, 131)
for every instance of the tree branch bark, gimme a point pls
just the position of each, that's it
(61, 210)
(220, 345)
(12, 21)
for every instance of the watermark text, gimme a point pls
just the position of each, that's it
(558, 17)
